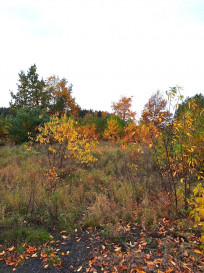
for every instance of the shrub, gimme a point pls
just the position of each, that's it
(23, 125)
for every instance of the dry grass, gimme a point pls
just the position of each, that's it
(103, 194)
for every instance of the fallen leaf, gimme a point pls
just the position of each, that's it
(169, 270)
(11, 248)
(65, 237)
(11, 263)
(148, 256)
(197, 251)
(118, 249)
(139, 270)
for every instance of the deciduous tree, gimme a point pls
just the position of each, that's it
(122, 108)
(63, 139)
(59, 97)
(113, 130)
(155, 111)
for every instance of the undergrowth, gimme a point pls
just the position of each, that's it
(107, 192)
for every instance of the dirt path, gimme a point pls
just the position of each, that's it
(138, 251)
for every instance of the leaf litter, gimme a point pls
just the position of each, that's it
(163, 250)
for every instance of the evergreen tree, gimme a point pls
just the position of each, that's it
(30, 90)
(23, 125)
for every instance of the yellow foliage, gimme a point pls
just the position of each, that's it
(63, 138)
(197, 202)
(112, 131)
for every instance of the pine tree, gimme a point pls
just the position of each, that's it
(30, 91)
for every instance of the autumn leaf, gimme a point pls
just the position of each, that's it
(122, 108)
(169, 270)
(118, 249)
(198, 251)
(11, 248)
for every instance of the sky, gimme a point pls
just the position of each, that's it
(105, 48)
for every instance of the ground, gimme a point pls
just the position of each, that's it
(136, 250)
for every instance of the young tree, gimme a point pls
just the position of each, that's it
(122, 108)
(114, 129)
(155, 111)
(2, 126)
(58, 97)
(63, 139)
(30, 90)
(23, 125)
(184, 106)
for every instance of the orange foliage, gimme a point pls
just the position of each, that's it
(155, 111)
(130, 133)
(88, 130)
(88, 115)
(103, 114)
(142, 133)
(122, 108)
(58, 90)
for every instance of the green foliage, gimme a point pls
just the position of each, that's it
(183, 107)
(4, 111)
(58, 97)
(23, 125)
(30, 90)
(2, 125)
(22, 234)
(100, 123)
(179, 152)
(121, 124)
(3, 132)
(149, 179)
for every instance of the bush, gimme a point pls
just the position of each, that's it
(24, 124)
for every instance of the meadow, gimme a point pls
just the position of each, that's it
(136, 186)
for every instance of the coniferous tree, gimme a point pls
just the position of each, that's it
(30, 90)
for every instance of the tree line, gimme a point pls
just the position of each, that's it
(36, 100)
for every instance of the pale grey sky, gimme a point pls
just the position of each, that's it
(105, 48)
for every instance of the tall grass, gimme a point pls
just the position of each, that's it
(105, 193)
